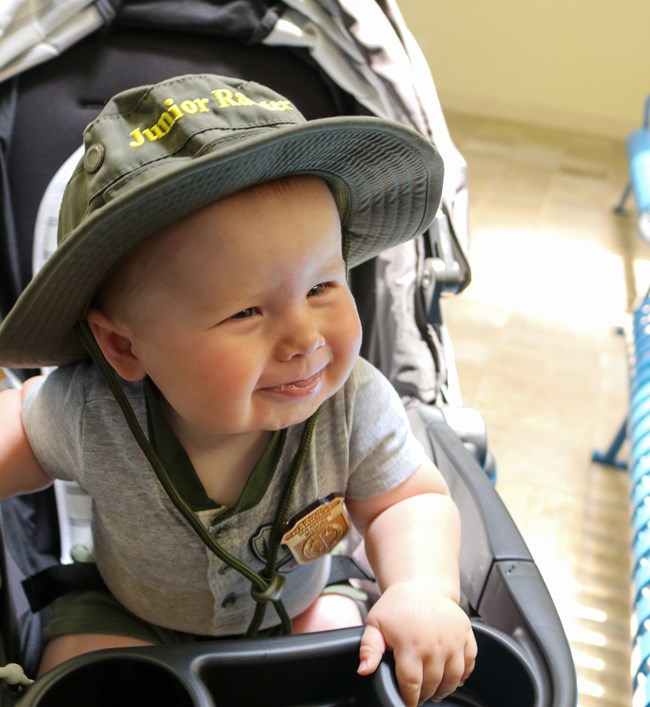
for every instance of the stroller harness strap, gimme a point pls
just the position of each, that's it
(266, 586)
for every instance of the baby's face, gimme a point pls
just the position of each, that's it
(254, 326)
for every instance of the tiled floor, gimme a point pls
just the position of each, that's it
(555, 272)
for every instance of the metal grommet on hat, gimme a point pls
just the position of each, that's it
(94, 157)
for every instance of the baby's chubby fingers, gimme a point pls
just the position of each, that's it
(408, 669)
(470, 654)
(458, 668)
(442, 686)
(408, 665)
(371, 650)
(430, 636)
(417, 680)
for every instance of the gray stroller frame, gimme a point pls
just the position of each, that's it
(524, 657)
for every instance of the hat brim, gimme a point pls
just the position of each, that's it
(386, 180)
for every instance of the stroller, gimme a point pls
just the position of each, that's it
(524, 658)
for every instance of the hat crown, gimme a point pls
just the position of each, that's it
(144, 132)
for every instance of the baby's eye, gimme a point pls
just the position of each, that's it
(245, 313)
(317, 290)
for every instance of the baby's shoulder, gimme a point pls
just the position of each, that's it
(365, 378)
(83, 383)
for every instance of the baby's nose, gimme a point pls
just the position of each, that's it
(301, 339)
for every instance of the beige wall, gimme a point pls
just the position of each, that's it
(577, 64)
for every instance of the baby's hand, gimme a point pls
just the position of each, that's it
(430, 636)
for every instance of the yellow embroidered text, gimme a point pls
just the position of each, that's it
(167, 120)
(224, 98)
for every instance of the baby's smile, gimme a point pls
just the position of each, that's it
(299, 388)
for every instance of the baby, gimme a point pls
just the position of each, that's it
(209, 394)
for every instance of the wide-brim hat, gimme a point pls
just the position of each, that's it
(156, 153)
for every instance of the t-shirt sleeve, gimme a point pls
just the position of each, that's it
(51, 417)
(383, 450)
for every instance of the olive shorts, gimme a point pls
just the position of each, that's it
(99, 612)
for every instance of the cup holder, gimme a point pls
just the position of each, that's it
(315, 670)
(108, 681)
(322, 673)
(503, 676)
(316, 676)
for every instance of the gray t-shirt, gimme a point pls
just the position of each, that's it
(150, 557)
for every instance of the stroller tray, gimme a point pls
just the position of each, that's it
(314, 670)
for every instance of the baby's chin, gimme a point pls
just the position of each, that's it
(296, 414)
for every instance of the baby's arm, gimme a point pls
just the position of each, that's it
(19, 471)
(412, 536)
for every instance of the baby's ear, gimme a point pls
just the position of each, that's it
(115, 345)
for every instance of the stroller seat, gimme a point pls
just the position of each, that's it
(521, 641)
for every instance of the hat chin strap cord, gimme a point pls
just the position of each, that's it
(266, 586)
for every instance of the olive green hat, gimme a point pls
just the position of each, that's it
(156, 153)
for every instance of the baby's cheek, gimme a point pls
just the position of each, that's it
(354, 333)
(348, 343)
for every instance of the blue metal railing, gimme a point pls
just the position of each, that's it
(636, 426)
(639, 434)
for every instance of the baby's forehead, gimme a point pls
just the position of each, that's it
(309, 189)
(168, 245)
(307, 184)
